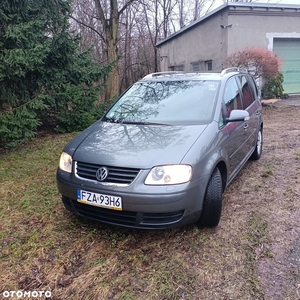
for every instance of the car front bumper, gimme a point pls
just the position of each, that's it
(145, 207)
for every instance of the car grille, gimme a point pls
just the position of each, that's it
(124, 218)
(116, 175)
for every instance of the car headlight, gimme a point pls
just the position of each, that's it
(170, 174)
(65, 162)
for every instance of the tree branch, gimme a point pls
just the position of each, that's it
(126, 5)
(101, 14)
(88, 26)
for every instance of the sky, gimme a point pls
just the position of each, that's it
(297, 2)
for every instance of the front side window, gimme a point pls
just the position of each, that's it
(232, 97)
(168, 102)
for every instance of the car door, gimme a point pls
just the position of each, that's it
(236, 141)
(252, 105)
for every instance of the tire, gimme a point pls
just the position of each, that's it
(258, 146)
(212, 205)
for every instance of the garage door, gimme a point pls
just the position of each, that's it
(289, 52)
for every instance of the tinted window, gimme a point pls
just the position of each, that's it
(232, 97)
(247, 91)
(253, 85)
(166, 102)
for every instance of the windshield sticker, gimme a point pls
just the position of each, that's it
(211, 87)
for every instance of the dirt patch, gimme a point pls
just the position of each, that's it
(280, 273)
(252, 254)
(293, 100)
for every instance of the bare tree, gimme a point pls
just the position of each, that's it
(110, 24)
(125, 32)
(192, 10)
(135, 46)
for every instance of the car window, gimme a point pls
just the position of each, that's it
(247, 91)
(254, 86)
(232, 97)
(186, 101)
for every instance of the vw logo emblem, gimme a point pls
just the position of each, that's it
(101, 173)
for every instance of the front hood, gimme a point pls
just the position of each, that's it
(134, 146)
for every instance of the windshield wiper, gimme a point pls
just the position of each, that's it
(122, 121)
(143, 123)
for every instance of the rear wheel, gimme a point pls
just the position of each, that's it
(258, 147)
(212, 205)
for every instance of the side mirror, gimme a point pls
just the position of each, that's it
(238, 115)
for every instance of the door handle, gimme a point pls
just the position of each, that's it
(246, 125)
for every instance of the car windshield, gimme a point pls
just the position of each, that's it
(166, 102)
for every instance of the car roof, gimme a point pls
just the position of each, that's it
(178, 75)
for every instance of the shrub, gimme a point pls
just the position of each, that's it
(259, 62)
(273, 88)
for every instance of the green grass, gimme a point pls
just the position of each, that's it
(269, 169)
(44, 247)
(257, 248)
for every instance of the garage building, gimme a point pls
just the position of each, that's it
(205, 44)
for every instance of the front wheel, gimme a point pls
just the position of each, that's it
(258, 147)
(212, 205)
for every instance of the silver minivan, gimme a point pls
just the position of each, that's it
(163, 154)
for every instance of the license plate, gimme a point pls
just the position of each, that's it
(102, 200)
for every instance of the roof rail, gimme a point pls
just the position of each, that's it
(233, 69)
(163, 73)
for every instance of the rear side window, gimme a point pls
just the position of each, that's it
(247, 91)
(254, 86)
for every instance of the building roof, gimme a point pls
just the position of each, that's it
(252, 5)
